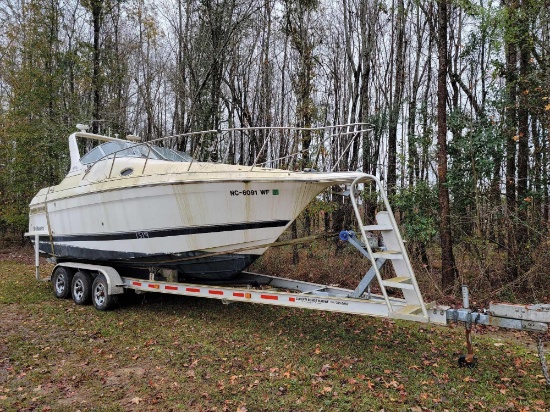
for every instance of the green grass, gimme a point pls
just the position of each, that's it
(160, 352)
(17, 286)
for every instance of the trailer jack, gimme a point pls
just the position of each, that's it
(468, 360)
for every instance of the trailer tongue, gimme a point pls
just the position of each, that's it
(380, 243)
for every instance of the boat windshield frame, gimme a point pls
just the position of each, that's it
(355, 130)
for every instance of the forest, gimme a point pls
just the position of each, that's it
(450, 100)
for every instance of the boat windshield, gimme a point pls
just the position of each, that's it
(129, 149)
(171, 154)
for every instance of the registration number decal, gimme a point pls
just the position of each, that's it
(252, 192)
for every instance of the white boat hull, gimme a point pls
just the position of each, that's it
(169, 224)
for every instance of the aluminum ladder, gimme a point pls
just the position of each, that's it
(404, 280)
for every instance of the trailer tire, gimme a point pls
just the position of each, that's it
(100, 294)
(61, 282)
(81, 288)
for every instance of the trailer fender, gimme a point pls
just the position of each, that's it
(114, 281)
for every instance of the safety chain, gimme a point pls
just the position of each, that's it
(544, 366)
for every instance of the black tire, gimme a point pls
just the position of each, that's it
(82, 288)
(100, 294)
(61, 282)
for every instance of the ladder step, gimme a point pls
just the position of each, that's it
(409, 312)
(372, 228)
(388, 254)
(401, 282)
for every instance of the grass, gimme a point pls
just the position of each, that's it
(160, 352)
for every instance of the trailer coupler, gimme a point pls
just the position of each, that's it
(530, 318)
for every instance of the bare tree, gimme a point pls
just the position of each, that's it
(448, 267)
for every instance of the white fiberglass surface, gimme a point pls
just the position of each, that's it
(169, 206)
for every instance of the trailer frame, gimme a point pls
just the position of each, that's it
(285, 292)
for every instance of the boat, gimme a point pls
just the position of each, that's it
(139, 206)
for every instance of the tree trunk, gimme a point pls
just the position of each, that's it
(97, 19)
(523, 162)
(397, 96)
(448, 269)
(511, 137)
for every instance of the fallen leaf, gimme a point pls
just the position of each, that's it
(327, 389)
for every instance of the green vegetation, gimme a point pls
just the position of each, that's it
(157, 352)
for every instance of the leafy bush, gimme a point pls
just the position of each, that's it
(418, 208)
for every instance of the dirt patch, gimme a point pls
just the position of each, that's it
(74, 400)
(124, 375)
(18, 252)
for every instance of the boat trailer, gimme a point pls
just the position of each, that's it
(380, 243)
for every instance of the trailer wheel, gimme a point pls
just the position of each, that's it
(100, 294)
(82, 288)
(61, 282)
